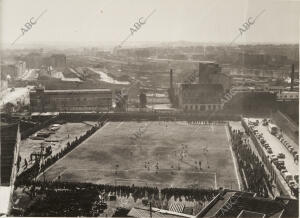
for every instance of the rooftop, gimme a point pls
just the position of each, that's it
(155, 212)
(231, 203)
(197, 86)
(74, 91)
(246, 213)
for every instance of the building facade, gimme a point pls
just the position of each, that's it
(84, 100)
(12, 71)
(36, 60)
(58, 60)
(249, 59)
(33, 60)
(288, 96)
(206, 93)
(200, 97)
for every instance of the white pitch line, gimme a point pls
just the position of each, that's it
(141, 170)
(60, 174)
(119, 125)
(216, 181)
(227, 133)
(233, 159)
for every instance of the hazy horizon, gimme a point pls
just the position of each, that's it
(96, 22)
(111, 45)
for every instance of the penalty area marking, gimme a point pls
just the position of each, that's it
(143, 170)
(106, 124)
(233, 159)
(60, 174)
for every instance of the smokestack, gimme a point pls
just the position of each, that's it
(292, 78)
(171, 79)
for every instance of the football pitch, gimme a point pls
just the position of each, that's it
(158, 153)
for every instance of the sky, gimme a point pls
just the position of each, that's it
(99, 21)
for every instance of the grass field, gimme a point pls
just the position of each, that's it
(162, 154)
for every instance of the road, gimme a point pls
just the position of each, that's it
(238, 126)
(105, 78)
(277, 148)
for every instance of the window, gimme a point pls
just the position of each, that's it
(202, 107)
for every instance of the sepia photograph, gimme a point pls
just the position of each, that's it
(149, 108)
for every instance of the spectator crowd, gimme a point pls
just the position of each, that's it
(255, 178)
(85, 199)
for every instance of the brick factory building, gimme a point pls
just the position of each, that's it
(36, 60)
(206, 93)
(82, 100)
(200, 97)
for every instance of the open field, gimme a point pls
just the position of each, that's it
(162, 154)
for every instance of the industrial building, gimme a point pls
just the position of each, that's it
(82, 100)
(35, 60)
(58, 60)
(249, 59)
(12, 70)
(200, 97)
(206, 93)
(288, 96)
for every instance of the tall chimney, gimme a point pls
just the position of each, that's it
(292, 78)
(171, 79)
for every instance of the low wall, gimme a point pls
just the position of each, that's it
(148, 116)
(14, 170)
(124, 116)
(273, 171)
(289, 127)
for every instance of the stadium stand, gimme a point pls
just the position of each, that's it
(8, 142)
(10, 138)
(251, 102)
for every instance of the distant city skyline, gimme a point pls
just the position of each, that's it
(97, 22)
